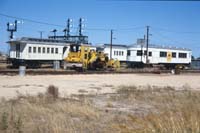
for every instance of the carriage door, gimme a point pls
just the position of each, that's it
(17, 51)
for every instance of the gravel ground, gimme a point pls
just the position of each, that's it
(91, 84)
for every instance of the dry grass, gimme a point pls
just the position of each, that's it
(131, 109)
(172, 110)
(44, 114)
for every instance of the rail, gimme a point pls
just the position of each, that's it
(13, 72)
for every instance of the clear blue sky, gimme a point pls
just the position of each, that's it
(171, 23)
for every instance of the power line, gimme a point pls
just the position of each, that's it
(175, 41)
(97, 29)
(30, 20)
(51, 24)
(130, 28)
(179, 32)
(167, 38)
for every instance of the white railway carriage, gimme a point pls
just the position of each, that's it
(169, 56)
(118, 51)
(33, 52)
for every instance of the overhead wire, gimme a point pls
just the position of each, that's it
(58, 25)
(157, 29)
(179, 32)
(30, 20)
(167, 38)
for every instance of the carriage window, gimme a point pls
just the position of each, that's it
(145, 53)
(34, 49)
(52, 50)
(39, 49)
(122, 53)
(139, 52)
(182, 55)
(173, 54)
(43, 50)
(56, 50)
(30, 49)
(48, 50)
(128, 52)
(119, 52)
(150, 53)
(163, 54)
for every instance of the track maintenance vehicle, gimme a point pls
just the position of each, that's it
(83, 57)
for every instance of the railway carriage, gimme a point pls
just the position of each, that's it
(134, 56)
(167, 56)
(34, 52)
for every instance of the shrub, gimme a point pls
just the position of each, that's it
(52, 91)
(4, 121)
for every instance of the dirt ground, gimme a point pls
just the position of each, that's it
(91, 84)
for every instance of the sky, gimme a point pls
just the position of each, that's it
(172, 23)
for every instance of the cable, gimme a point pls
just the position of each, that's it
(167, 38)
(45, 23)
(131, 28)
(179, 32)
(97, 29)
(29, 20)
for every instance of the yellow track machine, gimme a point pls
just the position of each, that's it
(83, 57)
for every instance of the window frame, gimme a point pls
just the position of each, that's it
(139, 53)
(43, 50)
(39, 49)
(182, 55)
(173, 54)
(150, 53)
(48, 50)
(163, 54)
(128, 52)
(30, 49)
(56, 50)
(119, 53)
(52, 50)
(34, 49)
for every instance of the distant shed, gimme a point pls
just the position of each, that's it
(195, 64)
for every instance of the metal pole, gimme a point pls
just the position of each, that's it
(80, 27)
(40, 35)
(142, 47)
(68, 27)
(147, 54)
(111, 38)
(41, 32)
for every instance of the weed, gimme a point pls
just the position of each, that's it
(4, 121)
(18, 125)
(131, 109)
(52, 91)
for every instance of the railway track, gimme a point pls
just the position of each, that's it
(13, 72)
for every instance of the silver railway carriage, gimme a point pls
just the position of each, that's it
(168, 56)
(136, 55)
